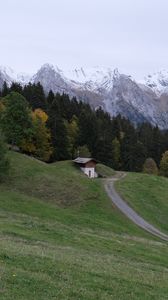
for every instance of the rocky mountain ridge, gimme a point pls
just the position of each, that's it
(106, 87)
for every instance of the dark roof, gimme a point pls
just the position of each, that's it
(83, 160)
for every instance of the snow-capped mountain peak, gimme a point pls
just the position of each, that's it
(158, 82)
(83, 75)
(11, 76)
(106, 87)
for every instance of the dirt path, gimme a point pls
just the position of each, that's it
(127, 210)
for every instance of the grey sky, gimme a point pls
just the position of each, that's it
(128, 34)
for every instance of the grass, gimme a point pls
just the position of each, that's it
(148, 195)
(60, 238)
(104, 171)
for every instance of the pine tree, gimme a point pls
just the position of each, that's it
(15, 119)
(59, 135)
(87, 130)
(128, 142)
(5, 90)
(50, 98)
(16, 87)
(34, 94)
(83, 151)
(4, 162)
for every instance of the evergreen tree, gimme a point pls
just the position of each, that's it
(138, 157)
(127, 147)
(59, 136)
(87, 130)
(50, 98)
(15, 119)
(5, 90)
(34, 94)
(103, 151)
(4, 162)
(16, 87)
(83, 151)
(117, 127)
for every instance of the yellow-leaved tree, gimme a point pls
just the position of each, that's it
(39, 144)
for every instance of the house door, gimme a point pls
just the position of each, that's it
(90, 173)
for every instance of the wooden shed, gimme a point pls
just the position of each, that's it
(87, 165)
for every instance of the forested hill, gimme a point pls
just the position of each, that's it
(55, 127)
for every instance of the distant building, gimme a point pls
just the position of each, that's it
(87, 165)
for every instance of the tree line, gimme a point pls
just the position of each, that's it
(56, 127)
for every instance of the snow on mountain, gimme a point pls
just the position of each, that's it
(158, 82)
(51, 78)
(83, 75)
(6, 74)
(23, 78)
(106, 87)
(95, 79)
(9, 75)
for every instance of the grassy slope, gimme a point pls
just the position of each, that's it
(148, 195)
(104, 171)
(62, 239)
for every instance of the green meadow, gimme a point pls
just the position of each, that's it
(61, 237)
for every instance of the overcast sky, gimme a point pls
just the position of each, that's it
(129, 34)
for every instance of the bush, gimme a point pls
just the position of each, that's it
(150, 166)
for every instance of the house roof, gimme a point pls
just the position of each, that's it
(83, 160)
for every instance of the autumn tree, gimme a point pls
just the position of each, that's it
(73, 132)
(116, 154)
(150, 166)
(39, 143)
(2, 107)
(164, 164)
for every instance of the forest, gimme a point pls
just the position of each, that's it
(56, 127)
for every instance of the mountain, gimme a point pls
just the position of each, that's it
(9, 75)
(5, 75)
(158, 82)
(51, 79)
(116, 93)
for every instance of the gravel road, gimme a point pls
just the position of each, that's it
(128, 211)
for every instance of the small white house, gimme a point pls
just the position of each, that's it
(87, 165)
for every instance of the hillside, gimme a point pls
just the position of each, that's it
(62, 239)
(148, 196)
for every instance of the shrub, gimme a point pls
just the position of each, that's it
(150, 166)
